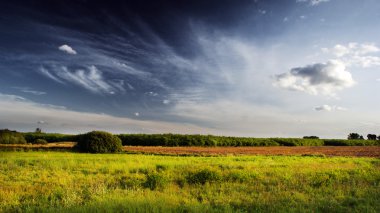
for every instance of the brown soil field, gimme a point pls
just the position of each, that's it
(353, 151)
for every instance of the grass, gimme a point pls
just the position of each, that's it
(73, 182)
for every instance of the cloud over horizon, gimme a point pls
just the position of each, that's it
(316, 79)
(329, 108)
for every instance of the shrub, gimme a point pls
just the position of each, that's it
(203, 176)
(155, 181)
(11, 137)
(40, 141)
(98, 142)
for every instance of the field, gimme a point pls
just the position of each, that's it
(73, 182)
(354, 151)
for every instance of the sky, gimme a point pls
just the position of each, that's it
(257, 68)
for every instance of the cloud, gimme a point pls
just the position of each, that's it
(48, 74)
(41, 122)
(90, 78)
(166, 101)
(67, 49)
(29, 90)
(312, 2)
(321, 78)
(356, 54)
(329, 108)
(19, 113)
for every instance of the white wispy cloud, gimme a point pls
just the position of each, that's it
(29, 90)
(312, 2)
(50, 75)
(91, 79)
(67, 49)
(321, 78)
(329, 108)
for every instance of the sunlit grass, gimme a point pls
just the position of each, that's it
(73, 182)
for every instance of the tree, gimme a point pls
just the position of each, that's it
(38, 130)
(371, 137)
(310, 137)
(353, 136)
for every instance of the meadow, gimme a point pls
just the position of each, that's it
(79, 182)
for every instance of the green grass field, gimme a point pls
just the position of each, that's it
(74, 182)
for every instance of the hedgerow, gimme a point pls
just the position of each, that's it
(11, 137)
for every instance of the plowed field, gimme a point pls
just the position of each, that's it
(354, 151)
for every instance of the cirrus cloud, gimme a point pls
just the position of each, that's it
(320, 78)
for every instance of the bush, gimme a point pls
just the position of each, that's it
(155, 181)
(40, 141)
(203, 176)
(11, 137)
(98, 142)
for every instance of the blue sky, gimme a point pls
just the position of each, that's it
(246, 68)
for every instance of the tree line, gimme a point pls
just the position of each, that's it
(356, 136)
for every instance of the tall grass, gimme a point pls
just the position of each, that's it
(73, 182)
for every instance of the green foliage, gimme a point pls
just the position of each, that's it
(49, 137)
(310, 137)
(340, 142)
(155, 181)
(11, 137)
(203, 176)
(98, 142)
(40, 141)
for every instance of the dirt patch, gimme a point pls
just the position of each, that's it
(354, 151)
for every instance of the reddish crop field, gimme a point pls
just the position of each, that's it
(354, 151)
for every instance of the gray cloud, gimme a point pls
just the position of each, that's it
(321, 78)
(329, 108)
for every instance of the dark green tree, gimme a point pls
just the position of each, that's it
(353, 136)
(371, 137)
